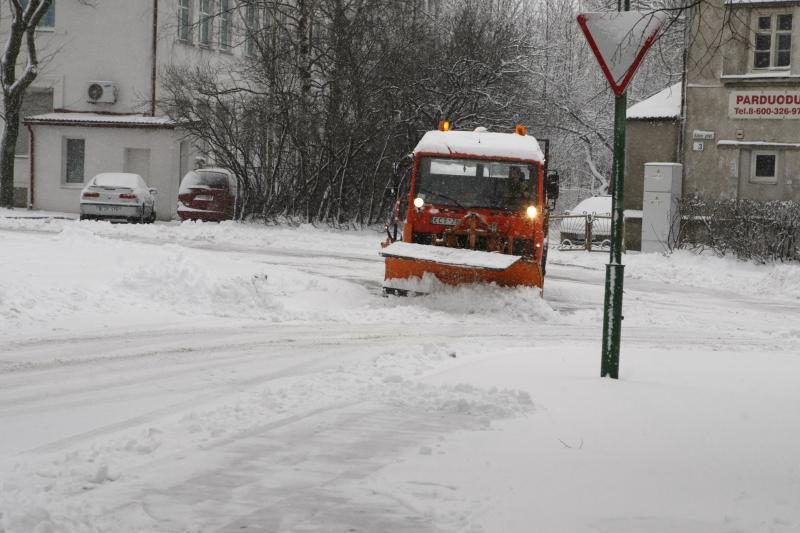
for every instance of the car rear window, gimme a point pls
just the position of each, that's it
(211, 180)
(117, 180)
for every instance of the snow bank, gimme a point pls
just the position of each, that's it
(114, 276)
(702, 427)
(689, 269)
(476, 303)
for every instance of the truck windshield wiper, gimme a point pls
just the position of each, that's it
(443, 196)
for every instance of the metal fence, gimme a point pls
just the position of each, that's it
(581, 232)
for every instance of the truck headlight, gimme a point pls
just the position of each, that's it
(419, 202)
(532, 212)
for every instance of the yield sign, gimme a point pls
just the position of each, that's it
(620, 40)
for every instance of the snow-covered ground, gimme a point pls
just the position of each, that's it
(223, 377)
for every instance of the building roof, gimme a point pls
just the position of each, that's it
(481, 143)
(100, 120)
(662, 105)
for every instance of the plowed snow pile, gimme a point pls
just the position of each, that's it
(230, 377)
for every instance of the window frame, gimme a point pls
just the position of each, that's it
(185, 26)
(205, 23)
(774, 34)
(225, 34)
(764, 180)
(65, 178)
(252, 25)
(49, 15)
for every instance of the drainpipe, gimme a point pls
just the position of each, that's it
(154, 64)
(683, 117)
(32, 163)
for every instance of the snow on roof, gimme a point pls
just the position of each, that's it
(740, 2)
(481, 143)
(664, 104)
(762, 144)
(98, 119)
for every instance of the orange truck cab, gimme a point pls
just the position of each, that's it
(476, 211)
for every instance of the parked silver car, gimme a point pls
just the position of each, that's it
(598, 211)
(118, 196)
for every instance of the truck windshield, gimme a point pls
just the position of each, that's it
(476, 183)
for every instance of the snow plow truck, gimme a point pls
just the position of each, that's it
(476, 206)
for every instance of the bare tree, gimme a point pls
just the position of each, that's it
(340, 89)
(337, 90)
(25, 17)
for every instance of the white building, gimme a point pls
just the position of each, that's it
(93, 107)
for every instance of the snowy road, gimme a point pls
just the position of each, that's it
(187, 378)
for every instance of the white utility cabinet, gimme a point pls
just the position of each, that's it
(662, 190)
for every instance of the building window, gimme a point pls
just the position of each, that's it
(252, 27)
(48, 21)
(49, 18)
(225, 24)
(773, 41)
(206, 20)
(432, 7)
(185, 20)
(764, 167)
(74, 152)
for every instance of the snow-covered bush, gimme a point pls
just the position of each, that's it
(748, 229)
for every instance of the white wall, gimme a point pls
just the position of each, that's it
(111, 40)
(104, 152)
(107, 40)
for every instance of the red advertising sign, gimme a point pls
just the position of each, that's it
(755, 104)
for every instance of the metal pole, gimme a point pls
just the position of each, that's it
(615, 270)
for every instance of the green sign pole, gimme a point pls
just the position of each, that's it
(612, 306)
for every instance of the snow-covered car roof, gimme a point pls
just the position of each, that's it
(596, 205)
(118, 179)
(575, 224)
(481, 143)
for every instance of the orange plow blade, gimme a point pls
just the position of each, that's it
(452, 266)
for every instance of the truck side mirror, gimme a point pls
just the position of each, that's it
(400, 166)
(552, 185)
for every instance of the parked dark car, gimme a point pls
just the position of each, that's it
(207, 194)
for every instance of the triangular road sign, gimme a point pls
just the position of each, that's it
(620, 40)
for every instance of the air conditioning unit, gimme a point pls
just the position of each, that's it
(101, 92)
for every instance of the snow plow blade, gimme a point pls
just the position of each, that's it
(454, 266)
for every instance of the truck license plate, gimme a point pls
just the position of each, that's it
(444, 221)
